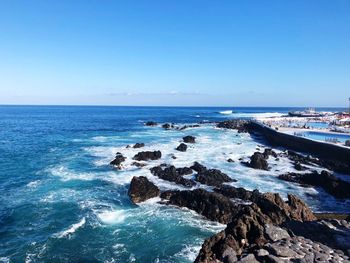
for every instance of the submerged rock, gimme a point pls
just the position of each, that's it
(213, 177)
(331, 184)
(189, 139)
(138, 145)
(151, 123)
(172, 174)
(167, 126)
(147, 155)
(118, 160)
(182, 147)
(142, 189)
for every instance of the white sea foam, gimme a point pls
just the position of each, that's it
(226, 112)
(112, 217)
(4, 260)
(72, 229)
(189, 252)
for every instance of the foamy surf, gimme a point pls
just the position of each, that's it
(112, 217)
(226, 112)
(72, 229)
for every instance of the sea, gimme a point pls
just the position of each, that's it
(61, 201)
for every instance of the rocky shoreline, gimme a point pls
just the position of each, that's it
(261, 227)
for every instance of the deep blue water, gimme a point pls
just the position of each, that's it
(61, 202)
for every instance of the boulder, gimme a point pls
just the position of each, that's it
(182, 147)
(118, 160)
(189, 139)
(139, 165)
(151, 123)
(142, 189)
(213, 177)
(230, 160)
(171, 174)
(184, 171)
(269, 152)
(258, 161)
(138, 145)
(167, 126)
(147, 155)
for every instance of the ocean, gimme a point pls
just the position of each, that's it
(61, 201)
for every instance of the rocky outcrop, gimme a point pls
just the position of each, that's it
(171, 174)
(138, 145)
(239, 125)
(182, 147)
(253, 226)
(189, 139)
(118, 160)
(142, 189)
(168, 126)
(269, 152)
(234, 192)
(147, 155)
(184, 171)
(331, 184)
(258, 161)
(213, 177)
(199, 168)
(213, 206)
(138, 164)
(188, 126)
(151, 123)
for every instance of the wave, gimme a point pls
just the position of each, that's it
(112, 217)
(226, 112)
(259, 115)
(72, 229)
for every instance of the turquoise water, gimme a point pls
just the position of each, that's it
(321, 136)
(62, 202)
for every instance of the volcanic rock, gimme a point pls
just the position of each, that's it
(189, 139)
(182, 147)
(258, 161)
(171, 174)
(240, 125)
(142, 189)
(214, 206)
(151, 123)
(147, 155)
(331, 184)
(213, 177)
(117, 162)
(138, 145)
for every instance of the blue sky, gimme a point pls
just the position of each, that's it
(162, 52)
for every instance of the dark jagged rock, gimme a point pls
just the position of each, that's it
(184, 171)
(233, 192)
(147, 155)
(139, 165)
(138, 145)
(167, 126)
(213, 177)
(182, 147)
(198, 167)
(335, 165)
(331, 184)
(251, 227)
(258, 161)
(240, 125)
(189, 139)
(151, 123)
(172, 175)
(214, 206)
(142, 189)
(117, 162)
(269, 152)
(299, 167)
(188, 126)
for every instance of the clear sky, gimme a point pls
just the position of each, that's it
(175, 52)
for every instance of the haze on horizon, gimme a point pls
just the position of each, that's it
(175, 53)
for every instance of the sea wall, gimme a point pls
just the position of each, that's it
(321, 149)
